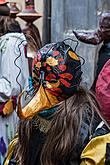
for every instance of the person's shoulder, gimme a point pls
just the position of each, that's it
(16, 35)
(15, 38)
(98, 148)
(101, 129)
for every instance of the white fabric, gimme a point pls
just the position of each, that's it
(11, 45)
(9, 51)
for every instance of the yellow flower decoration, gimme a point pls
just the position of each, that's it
(73, 55)
(38, 64)
(52, 61)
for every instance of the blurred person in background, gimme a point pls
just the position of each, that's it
(101, 84)
(14, 74)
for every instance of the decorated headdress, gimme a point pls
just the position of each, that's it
(101, 34)
(56, 76)
(4, 9)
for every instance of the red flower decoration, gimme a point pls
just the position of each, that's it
(56, 53)
(64, 82)
(50, 76)
(48, 68)
(62, 67)
(66, 75)
(60, 59)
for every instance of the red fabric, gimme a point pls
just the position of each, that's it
(103, 90)
(2, 2)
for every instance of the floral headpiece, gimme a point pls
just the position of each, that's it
(56, 76)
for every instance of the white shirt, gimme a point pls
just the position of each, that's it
(12, 53)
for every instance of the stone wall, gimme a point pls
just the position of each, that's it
(81, 15)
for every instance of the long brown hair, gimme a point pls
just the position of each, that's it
(64, 128)
(8, 24)
(34, 42)
(24, 131)
(66, 124)
(33, 36)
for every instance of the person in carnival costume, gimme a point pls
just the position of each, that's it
(13, 74)
(101, 82)
(62, 117)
